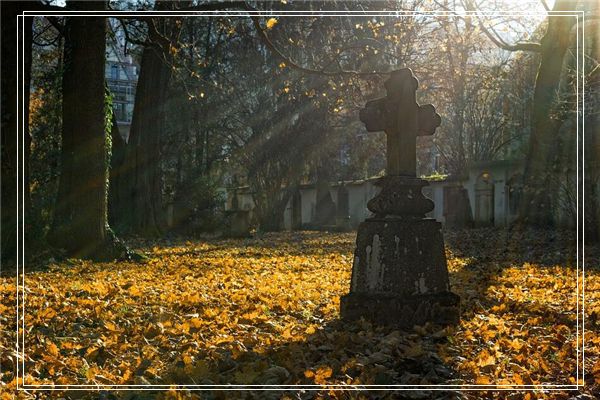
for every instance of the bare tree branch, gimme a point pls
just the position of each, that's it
(497, 40)
(545, 5)
(128, 38)
(521, 46)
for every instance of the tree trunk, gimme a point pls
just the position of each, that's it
(80, 223)
(142, 212)
(537, 206)
(271, 211)
(28, 37)
(144, 145)
(200, 134)
(592, 129)
(116, 190)
(11, 112)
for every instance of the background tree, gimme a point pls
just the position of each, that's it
(199, 121)
(10, 114)
(80, 216)
(45, 128)
(142, 209)
(539, 193)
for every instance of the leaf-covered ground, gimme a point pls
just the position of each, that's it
(266, 311)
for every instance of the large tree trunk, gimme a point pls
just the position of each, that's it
(142, 212)
(537, 206)
(80, 223)
(11, 77)
(143, 155)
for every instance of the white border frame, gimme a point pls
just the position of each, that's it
(234, 387)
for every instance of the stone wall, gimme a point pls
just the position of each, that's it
(501, 180)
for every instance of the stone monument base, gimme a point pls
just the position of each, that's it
(399, 275)
(404, 311)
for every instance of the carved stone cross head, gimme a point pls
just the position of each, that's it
(402, 119)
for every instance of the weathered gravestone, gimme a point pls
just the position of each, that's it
(399, 275)
(239, 220)
(457, 208)
(325, 206)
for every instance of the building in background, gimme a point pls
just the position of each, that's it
(121, 77)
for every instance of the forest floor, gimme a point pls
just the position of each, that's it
(266, 311)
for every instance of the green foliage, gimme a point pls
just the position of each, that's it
(435, 176)
(108, 123)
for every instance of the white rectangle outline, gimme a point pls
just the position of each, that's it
(232, 387)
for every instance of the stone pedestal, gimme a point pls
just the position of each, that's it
(403, 311)
(399, 275)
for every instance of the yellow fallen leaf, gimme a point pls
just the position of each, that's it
(321, 375)
(518, 379)
(134, 291)
(485, 358)
(271, 22)
(111, 327)
(52, 349)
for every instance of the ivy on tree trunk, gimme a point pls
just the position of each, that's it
(80, 223)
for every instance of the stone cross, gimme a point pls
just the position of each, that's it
(399, 274)
(402, 119)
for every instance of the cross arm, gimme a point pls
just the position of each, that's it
(373, 115)
(429, 120)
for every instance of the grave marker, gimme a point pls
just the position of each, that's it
(399, 275)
